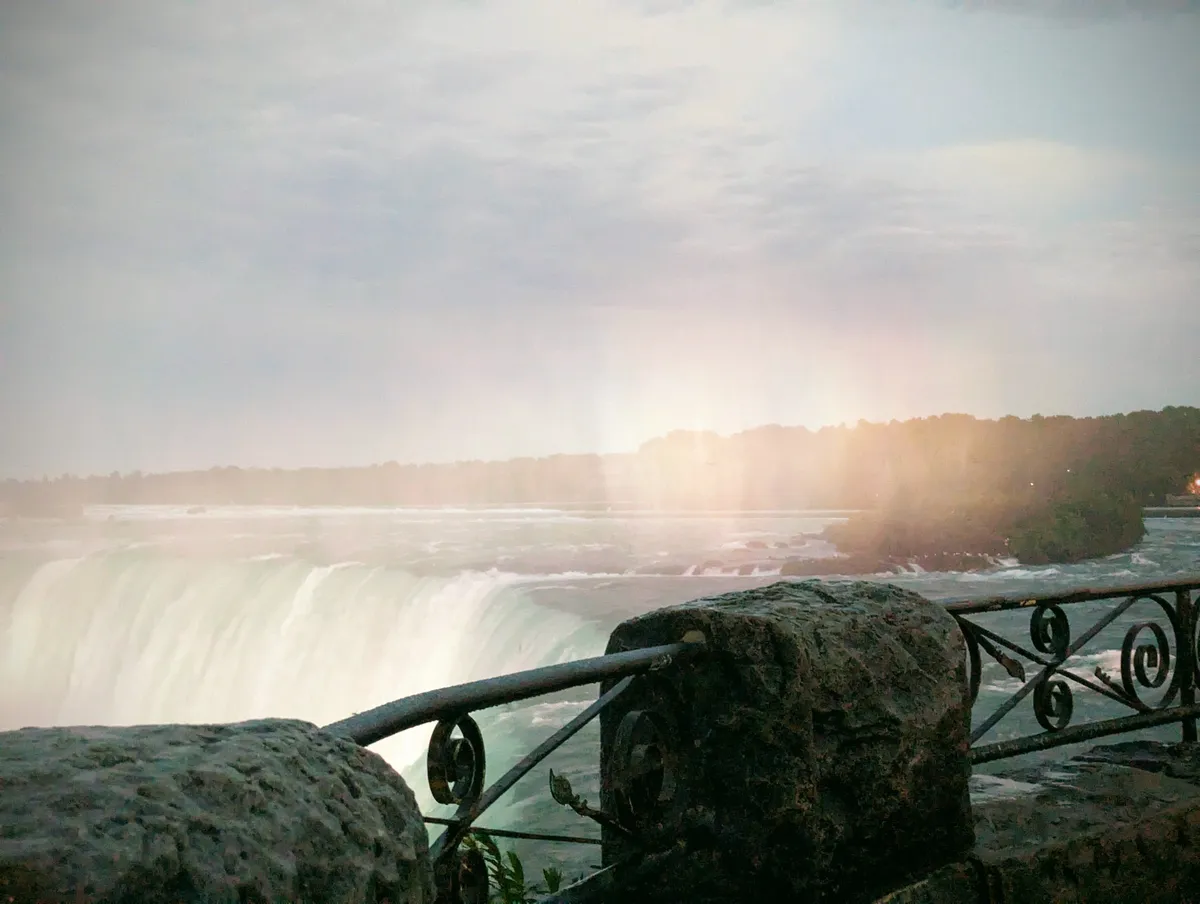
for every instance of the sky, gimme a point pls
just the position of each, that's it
(308, 233)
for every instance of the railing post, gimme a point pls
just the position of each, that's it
(1187, 658)
(818, 752)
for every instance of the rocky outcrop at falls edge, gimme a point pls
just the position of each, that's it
(264, 811)
(857, 565)
(1087, 520)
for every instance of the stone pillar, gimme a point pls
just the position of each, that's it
(817, 753)
(258, 811)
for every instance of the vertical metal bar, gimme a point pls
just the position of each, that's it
(1186, 614)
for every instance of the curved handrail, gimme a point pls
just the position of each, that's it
(391, 718)
(975, 605)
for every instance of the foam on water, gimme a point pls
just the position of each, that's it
(240, 512)
(994, 787)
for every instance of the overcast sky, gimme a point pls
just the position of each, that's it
(339, 233)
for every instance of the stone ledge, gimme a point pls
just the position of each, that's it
(264, 811)
(1119, 823)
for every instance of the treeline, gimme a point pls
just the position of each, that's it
(1076, 522)
(1088, 481)
(933, 464)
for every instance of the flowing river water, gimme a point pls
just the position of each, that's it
(169, 614)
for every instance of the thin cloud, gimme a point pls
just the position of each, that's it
(486, 229)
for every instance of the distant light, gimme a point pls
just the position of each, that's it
(1031, 483)
(1198, 481)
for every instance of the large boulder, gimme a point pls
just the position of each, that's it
(254, 812)
(819, 751)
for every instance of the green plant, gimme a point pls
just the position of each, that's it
(507, 873)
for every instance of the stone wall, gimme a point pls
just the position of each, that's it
(253, 812)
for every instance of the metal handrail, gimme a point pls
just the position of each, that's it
(457, 765)
(432, 706)
(1001, 602)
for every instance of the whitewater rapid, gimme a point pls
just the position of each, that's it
(136, 636)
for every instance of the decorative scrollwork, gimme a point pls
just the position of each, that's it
(1156, 656)
(1050, 631)
(456, 765)
(1053, 704)
(644, 775)
(974, 665)
(1138, 659)
(1189, 632)
(1159, 656)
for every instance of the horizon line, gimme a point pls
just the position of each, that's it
(844, 425)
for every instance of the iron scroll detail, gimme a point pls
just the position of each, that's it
(644, 772)
(1050, 631)
(1053, 704)
(456, 766)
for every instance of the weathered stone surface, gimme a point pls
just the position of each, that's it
(1180, 760)
(253, 812)
(1095, 830)
(1119, 823)
(957, 883)
(821, 744)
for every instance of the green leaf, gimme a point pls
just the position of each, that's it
(518, 871)
(561, 790)
(507, 872)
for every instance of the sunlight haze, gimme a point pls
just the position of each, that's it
(336, 234)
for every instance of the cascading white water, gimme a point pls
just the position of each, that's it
(139, 636)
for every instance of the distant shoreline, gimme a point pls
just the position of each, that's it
(1171, 511)
(930, 463)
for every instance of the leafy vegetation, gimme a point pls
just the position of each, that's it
(1072, 529)
(1067, 527)
(1094, 510)
(507, 874)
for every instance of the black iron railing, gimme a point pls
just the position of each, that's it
(456, 758)
(1158, 655)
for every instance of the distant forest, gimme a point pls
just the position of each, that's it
(941, 461)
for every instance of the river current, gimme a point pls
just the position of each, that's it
(169, 614)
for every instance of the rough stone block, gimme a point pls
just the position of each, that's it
(254, 812)
(818, 750)
(1097, 829)
(957, 883)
